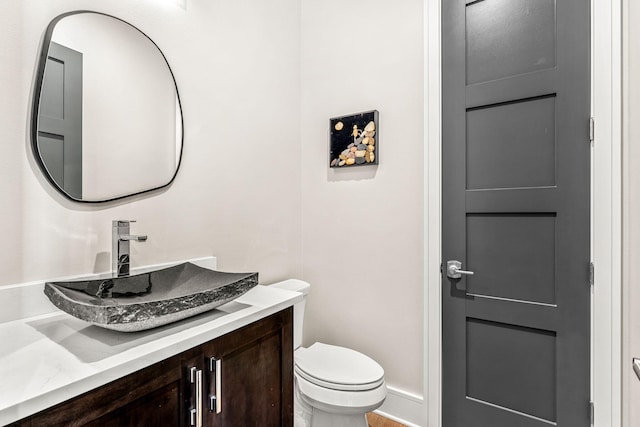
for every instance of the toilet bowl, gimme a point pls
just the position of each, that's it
(334, 386)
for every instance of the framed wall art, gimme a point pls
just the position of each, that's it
(354, 140)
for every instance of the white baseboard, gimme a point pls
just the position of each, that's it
(404, 407)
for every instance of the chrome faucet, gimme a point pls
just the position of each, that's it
(120, 252)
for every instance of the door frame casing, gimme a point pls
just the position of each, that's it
(606, 212)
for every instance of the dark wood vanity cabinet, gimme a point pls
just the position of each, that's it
(243, 378)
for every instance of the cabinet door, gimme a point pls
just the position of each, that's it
(149, 397)
(255, 375)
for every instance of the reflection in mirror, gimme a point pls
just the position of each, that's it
(107, 121)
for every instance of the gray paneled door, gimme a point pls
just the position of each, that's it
(60, 118)
(516, 185)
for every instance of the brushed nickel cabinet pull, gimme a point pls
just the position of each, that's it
(215, 400)
(195, 414)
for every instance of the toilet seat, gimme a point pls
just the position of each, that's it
(338, 368)
(344, 402)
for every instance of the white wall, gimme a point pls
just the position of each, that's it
(12, 131)
(363, 227)
(238, 193)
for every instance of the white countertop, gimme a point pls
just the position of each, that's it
(48, 358)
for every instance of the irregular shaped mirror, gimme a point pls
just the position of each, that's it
(106, 120)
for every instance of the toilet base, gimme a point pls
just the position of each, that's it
(307, 416)
(321, 418)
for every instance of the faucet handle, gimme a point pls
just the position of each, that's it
(122, 222)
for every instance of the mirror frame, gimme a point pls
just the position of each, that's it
(35, 108)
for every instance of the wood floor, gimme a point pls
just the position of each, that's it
(376, 420)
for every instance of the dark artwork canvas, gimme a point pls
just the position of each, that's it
(354, 140)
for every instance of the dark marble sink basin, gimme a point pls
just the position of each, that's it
(149, 300)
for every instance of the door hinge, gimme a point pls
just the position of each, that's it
(591, 274)
(592, 129)
(592, 417)
(441, 268)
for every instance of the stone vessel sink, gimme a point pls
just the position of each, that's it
(149, 300)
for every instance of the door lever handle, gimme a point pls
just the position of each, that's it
(455, 271)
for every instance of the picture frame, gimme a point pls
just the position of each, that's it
(354, 140)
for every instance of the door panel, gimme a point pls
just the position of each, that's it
(516, 213)
(52, 105)
(60, 118)
(509, 37)
(502, 247)
(51, 149)
(511, 145)
(512, 366)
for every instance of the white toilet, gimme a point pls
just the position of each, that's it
(334, 386)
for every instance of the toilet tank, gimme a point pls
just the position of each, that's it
(298, 308)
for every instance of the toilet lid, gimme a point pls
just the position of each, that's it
(338, 368)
